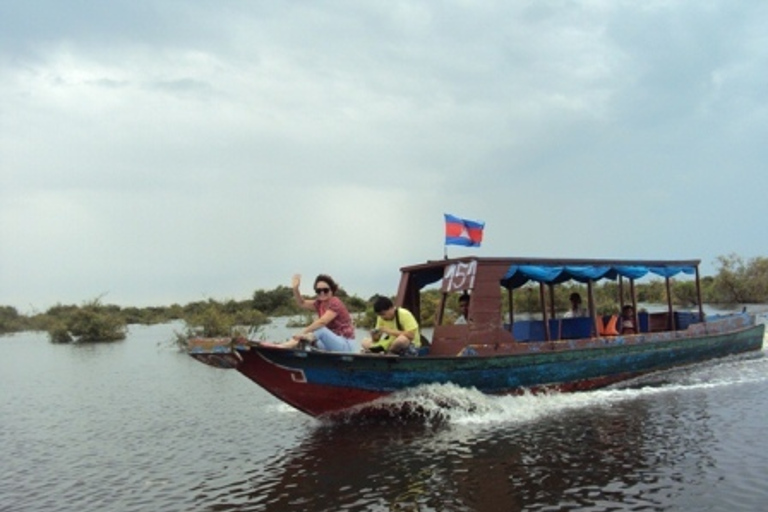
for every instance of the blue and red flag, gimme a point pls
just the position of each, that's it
(465, 232)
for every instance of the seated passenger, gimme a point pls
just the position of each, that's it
(576, 310)
(333, 329)
(396, 331)
(627, 325)
(463, 310)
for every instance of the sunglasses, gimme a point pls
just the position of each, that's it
(322, 290)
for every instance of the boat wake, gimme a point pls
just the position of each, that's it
(449, 404)
(431, 404)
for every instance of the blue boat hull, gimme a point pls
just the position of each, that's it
(319, 383)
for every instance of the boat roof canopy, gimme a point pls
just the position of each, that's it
(518, 275)
(554, 271)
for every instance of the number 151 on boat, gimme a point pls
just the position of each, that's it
(459, 276)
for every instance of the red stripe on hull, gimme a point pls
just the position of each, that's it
(584, 385)
(291, 386)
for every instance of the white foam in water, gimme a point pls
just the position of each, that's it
(283, 408)
(469, 406)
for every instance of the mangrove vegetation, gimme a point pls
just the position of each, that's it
(737, 281)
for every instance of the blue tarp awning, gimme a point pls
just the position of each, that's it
(518, 275)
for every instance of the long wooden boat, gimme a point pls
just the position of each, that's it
(495, 352)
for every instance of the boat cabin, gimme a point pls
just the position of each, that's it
(492, 326)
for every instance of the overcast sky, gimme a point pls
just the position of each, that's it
(159, 152)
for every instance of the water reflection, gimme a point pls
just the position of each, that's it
(133, 426)
(591, 459)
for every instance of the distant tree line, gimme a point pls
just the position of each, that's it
(94, 321)
(737, 282)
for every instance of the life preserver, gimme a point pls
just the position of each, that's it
(609, 328)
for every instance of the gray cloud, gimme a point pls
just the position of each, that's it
(168, 151)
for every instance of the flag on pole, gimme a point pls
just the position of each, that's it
(465, 232)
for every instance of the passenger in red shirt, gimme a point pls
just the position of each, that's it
(333, 329)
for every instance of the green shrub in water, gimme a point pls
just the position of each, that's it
(93, 322)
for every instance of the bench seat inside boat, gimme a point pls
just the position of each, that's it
(561, 328)
(576, 328)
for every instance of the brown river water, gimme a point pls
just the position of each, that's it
(137, 426)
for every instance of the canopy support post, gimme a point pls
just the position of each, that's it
(592, 312)
(634, 305)
(544, 315)
(671, 323)
(698, 296)
(552, 311)
(621, 292)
